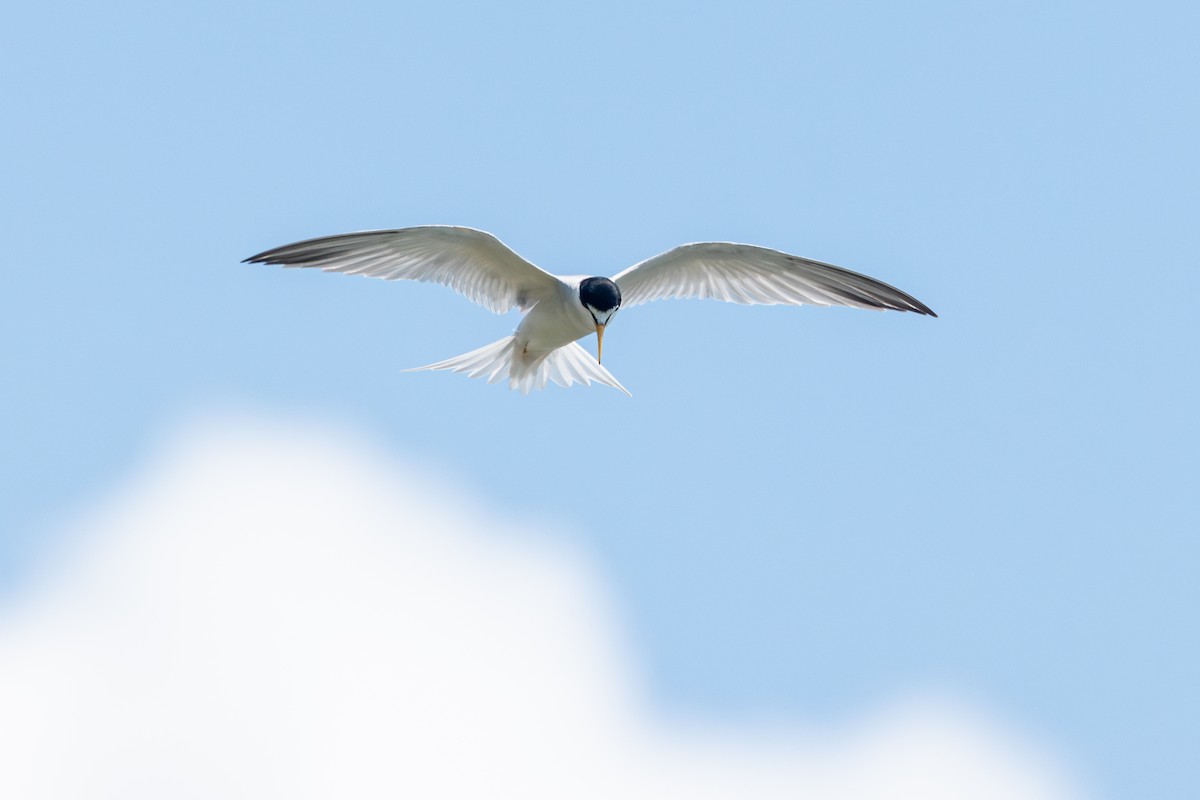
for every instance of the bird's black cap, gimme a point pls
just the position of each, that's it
(599, 293)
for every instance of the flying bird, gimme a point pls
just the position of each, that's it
(561, 309)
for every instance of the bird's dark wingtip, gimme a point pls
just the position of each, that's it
(920, 308)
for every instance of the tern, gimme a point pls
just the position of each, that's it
(561, 309)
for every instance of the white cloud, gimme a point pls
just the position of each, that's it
(281, 611)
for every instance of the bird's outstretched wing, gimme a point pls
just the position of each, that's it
(471, 262)
(744, 273)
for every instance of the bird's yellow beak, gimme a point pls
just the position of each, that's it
(599, 341)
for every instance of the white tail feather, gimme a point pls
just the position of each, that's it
(498, 360)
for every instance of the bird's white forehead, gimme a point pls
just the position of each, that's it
(603, 317)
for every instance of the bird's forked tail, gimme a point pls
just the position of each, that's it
(525, 371)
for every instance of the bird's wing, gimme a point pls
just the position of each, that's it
(744, 273)
(471, 262)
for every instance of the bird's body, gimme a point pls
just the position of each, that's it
(551, 325)
(560, 310)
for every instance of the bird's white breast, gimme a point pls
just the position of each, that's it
(557, 321)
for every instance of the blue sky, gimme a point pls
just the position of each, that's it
(801, 510)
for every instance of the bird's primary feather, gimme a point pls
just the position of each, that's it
(744, 273)
(472, 262)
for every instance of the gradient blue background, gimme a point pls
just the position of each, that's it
(804, 512)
